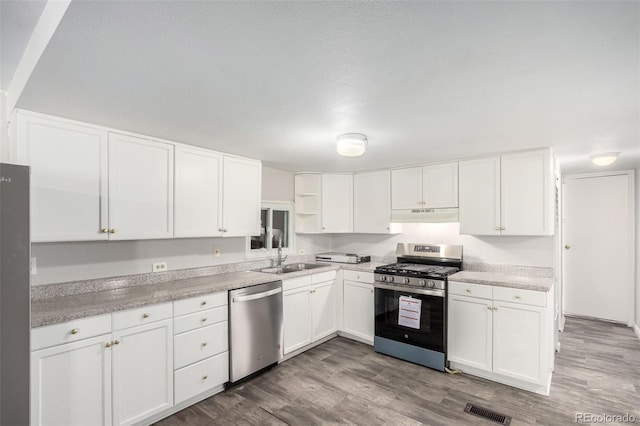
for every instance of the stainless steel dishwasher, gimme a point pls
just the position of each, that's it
(256, 328)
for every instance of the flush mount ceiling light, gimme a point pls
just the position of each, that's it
(351, 144)
(605, 159)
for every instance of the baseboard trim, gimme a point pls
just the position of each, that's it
(636, 329)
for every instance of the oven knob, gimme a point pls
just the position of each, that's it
(422, 283)
(406, 280)
(431, 284)
(406, 336)
(391, 279)
(383, 277)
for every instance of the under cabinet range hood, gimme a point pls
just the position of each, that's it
(448, 215)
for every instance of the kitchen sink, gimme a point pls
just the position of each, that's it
(293, 267)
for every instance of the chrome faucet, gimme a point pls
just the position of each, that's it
(280, 258)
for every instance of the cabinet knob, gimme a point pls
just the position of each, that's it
(502, 228)
(498, 228)
(74, 331)
(205, 377)
(145, 315)
(105, 230)
(107, 345)
(204, 344)
(221, 229)
(567, 246)
(225, 230)
(204, 302)
(516, 297)
(490, 308)
(204, 319)
(468, 290)
(116, 342)
(112, 231)
(495, 308)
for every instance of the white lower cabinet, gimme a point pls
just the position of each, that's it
(502, 334)
(201, 341)
(309, 310)
(358, 306)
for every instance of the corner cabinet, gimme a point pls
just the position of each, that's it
(309, 310)
(502, 334)
(512, 194)
(241, 196)
(323, 203)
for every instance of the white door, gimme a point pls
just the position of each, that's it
(68, 178)
(337, 203)
(71, 384)
(142, 371)
(241, 197)
(440, 185)
(323, 302)
(598, 247)
(519, 341)
(372, 202)
(470, 331)
(140, 188)
(296, 318)
(406, 188)
(359, 310)
(198, 193)
(479, 196)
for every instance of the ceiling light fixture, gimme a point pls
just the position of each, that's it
(605, 159)
(351, 144)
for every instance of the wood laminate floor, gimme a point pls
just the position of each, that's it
(345, 382)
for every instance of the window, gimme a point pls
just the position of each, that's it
(276, 230)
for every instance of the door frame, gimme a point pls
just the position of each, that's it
(632, 241)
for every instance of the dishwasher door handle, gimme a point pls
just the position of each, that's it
(257, 295)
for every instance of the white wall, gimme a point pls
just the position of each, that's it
(277, 185)
(637, 188)
(528, 251)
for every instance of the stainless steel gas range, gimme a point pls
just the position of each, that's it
(411, 303)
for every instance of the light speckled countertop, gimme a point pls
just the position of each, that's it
(60, 309)
(525, 282)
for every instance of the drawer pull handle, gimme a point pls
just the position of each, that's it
(516, 297)
(204, 302)
(204, 319)
(74, 331)
(205, 377)
(117, 342)
(468, 290)
(204, 344)
(145, 315)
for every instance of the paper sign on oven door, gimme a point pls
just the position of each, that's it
(409, 312)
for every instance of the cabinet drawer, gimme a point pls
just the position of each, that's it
(472, 290)
(199, 344)
(323, 276)
(292, 283)
(516, 295)
(71, 331)
(363, 277)
(201, 376)
(199, 319)
(200, 303)
(144, 315)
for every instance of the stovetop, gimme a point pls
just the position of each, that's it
(417, 270)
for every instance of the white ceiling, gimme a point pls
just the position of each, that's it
(425, 81)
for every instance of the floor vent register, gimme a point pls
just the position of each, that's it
(487, 414)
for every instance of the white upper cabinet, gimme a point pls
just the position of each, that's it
(242, 194)
(140, 188)
(337, 203)
(197, 192)
(372, 203)
(68, 177)
(508, 195)
(308, 202)
(433, 186)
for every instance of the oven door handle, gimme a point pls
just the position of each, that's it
(437, 293)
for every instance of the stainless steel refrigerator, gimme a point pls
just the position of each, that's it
(15, 294)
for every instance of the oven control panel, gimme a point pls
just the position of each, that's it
(428, 283)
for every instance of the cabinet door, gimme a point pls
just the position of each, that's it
(519, 342)
(479, 196)
(470, 331)
(372, 202)
(68, 178)
(323, 303)
(142, 371)
(406, 188)
(140, 188)
(440, 185)
(337, 203)
(359, 310)
(296, 318)
(242, 186)
(527, 193)
(71, 383)
(198, 193)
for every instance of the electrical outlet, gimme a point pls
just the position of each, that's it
(34, 268)
(159, 267)
(216, 252)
